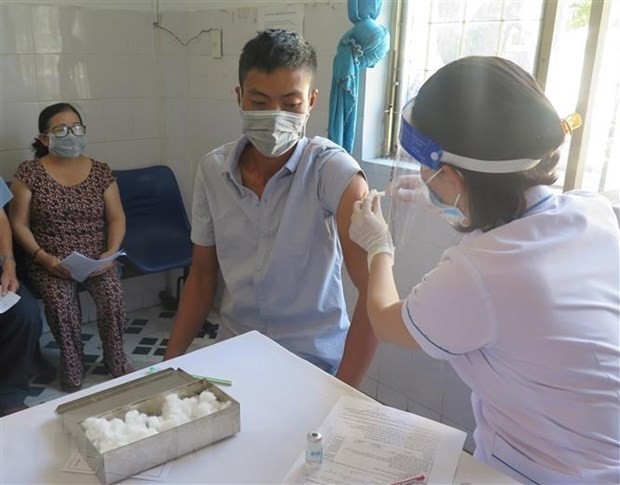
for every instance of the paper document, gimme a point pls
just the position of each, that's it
(80, 266)
(77, 464)
(367, 442)
(8, 300)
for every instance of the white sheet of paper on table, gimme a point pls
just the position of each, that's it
(8, 300)
(367, 442)
(81, 266)
(77, 464)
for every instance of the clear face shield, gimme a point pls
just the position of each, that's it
(410, 202)
(413, 205)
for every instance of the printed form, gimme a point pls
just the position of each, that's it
(367, 442)
(81, 266)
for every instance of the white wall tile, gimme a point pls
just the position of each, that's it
(237, 29)
(47, 30)
(93, 116)
(369, 387)
(19, 77)
(412, 260)
(456, 405)
(48, 77)
(177, 23)
(81, 77)
(394, 367)
(176, 112)
(134, 153)
(144, 77)
(426, 382)
(16, 29)
(140, 32)
(317, 123)
(389, 397)
(416, 408)
(19, 125)
(175, 76)
(323, 82)
(117, 119)
(102, 31)
(10, 160)
(98, 151)
(325, 25)
(204, 20)
(145, 115)
(113, 72)
(223, 125)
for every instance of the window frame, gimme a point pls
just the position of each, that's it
(598, 22)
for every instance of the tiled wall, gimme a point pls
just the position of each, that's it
(148, 100)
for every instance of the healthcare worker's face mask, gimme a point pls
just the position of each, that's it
(451, 213)
(68, 146)
(273, 132)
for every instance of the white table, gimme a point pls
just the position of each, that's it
(282, 398)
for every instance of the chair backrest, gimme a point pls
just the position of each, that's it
(158, 230)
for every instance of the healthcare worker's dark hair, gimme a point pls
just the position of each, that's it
(491, 109)
(40, 150)
(272, 49)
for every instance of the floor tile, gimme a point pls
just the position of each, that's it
(145, 341)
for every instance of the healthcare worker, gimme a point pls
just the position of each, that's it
(526, 306)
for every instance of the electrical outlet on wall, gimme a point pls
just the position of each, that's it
(216, 43)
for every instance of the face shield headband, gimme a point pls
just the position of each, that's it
(429, 153)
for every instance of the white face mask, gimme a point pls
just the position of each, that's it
(69, 146)
(273, 132)
(451, 213)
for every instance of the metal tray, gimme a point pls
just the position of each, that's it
(146, 395)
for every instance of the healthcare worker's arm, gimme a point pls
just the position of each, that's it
(370, 231)
(361, 342)
(196, 300)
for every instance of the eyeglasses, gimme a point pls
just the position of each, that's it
(61, 131)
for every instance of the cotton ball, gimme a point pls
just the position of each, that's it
(203, 409)
(134, 418)
(207, 396)
(154, 422)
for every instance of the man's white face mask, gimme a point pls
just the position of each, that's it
(273, 132)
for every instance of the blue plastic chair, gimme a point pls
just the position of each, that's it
(157, 237)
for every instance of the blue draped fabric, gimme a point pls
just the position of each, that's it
(361, 47)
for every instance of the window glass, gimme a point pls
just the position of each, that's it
(602, 163)
(441, 31)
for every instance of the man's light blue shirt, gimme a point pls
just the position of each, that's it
(5, 193)
(280, 255)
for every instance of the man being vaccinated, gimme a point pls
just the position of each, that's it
(272, 211)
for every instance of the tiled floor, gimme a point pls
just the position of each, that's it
(145, 342)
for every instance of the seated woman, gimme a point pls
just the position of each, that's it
(66, 202)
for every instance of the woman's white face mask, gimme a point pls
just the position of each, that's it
(451, 213)
(273, 132)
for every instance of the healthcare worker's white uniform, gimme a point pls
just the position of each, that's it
(528, 316)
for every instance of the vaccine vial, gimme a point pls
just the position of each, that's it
(314, 450)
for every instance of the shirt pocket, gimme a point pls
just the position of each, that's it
(504, 456)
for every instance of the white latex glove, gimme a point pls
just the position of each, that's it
(368, 228)
(410, 189)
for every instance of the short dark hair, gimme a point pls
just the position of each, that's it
(491, 109)
(40, 150)
(272, 49)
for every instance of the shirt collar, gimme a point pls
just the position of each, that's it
(232, 163)
(535, 197)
